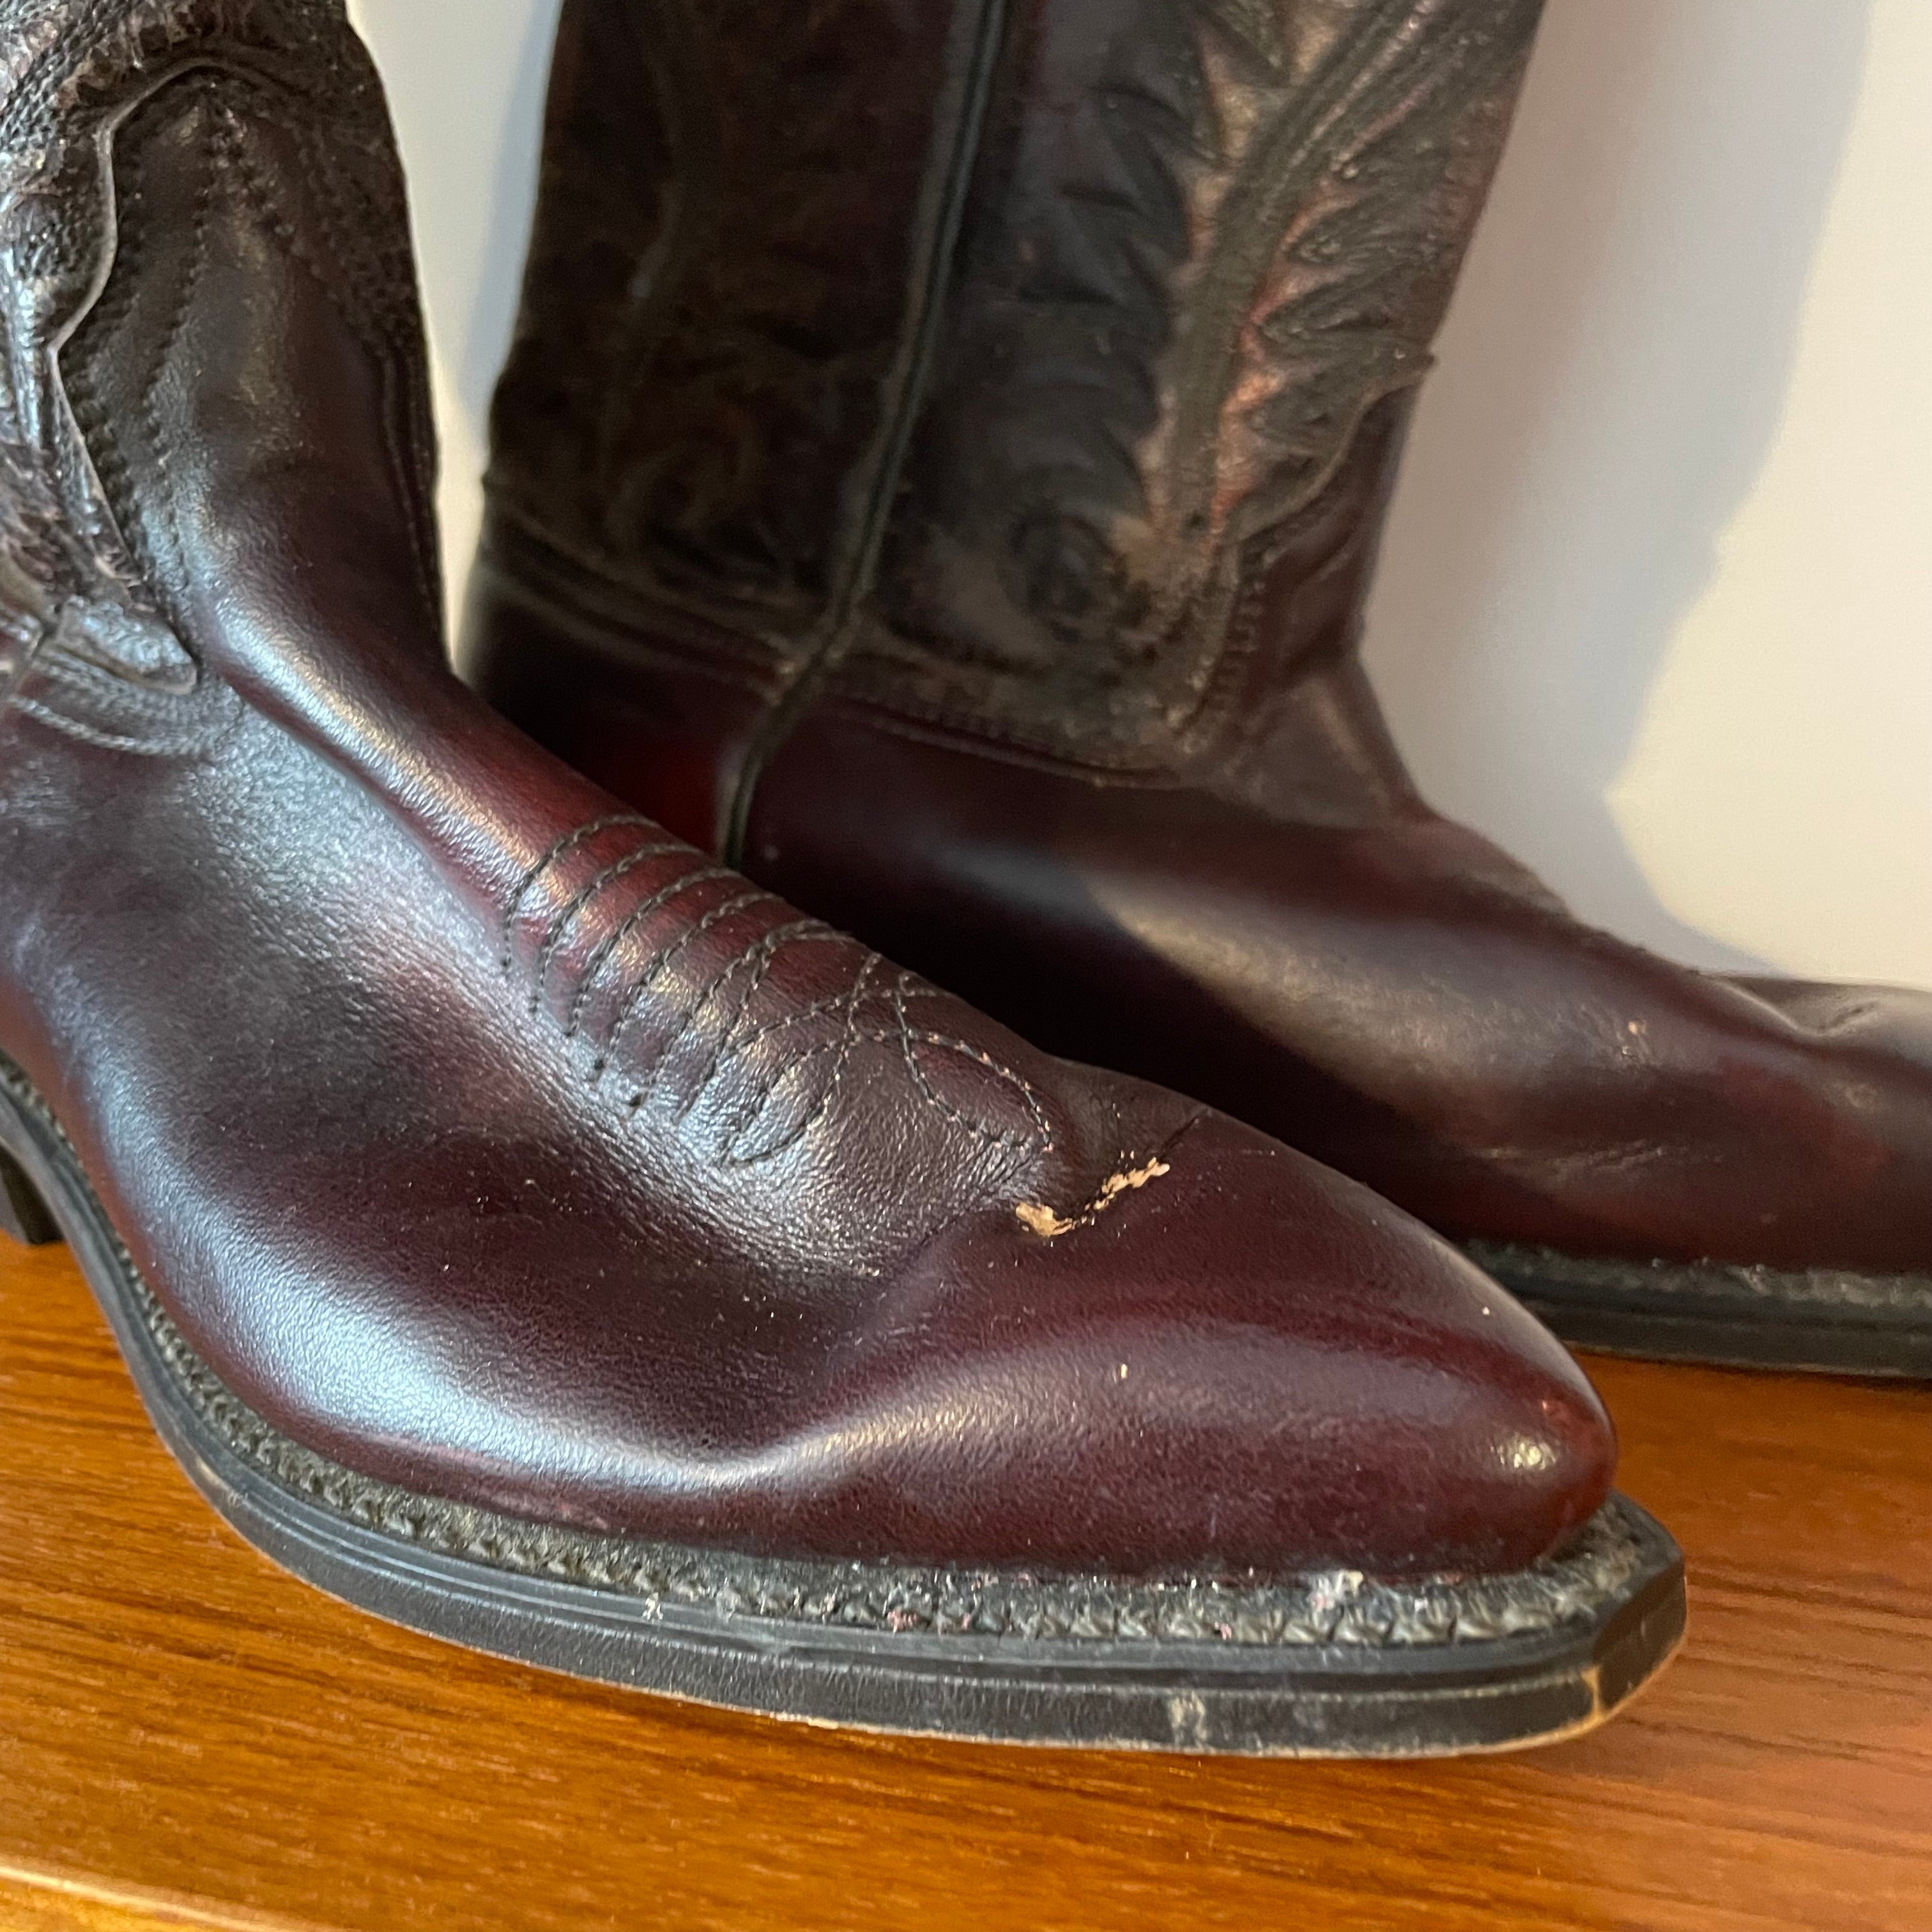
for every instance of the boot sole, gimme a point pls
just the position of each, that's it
(1823, 1321)
(1331, 1665)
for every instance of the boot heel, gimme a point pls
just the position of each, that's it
(23, 1215)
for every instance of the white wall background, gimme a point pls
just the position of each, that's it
(1656, 608)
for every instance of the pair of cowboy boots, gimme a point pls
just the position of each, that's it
(525, 1226)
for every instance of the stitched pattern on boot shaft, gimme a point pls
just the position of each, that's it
(711, 324)
(71, 71)
(1205, 241)
(1183, 297)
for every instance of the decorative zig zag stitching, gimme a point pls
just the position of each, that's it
(586, 983)
(843, 1045)
(906, 1036)
(800, 932)
(652, 972)
(738, 1034)
(566, 916)
(563, 848)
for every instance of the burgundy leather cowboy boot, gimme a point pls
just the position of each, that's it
(528, 1229)
(940, 469)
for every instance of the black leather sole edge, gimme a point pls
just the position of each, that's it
(1315, 1700)
(1819, 1321)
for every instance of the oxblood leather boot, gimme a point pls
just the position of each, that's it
(527, 1229)
(940, 468)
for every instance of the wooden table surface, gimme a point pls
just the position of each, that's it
(188, 1737)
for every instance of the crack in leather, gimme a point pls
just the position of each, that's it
(1334, 1607)
(1297, 1609)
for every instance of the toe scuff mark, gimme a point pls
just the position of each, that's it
(1043, 1221)
(1049, 1226)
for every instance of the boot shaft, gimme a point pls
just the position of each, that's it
(745, 210)
(1032, 371)
(213, 386)
(1207, 247)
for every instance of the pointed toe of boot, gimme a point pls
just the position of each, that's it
(1239, 1361)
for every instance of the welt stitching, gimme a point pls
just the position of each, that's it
(566, 845)
(565, 916)
(1302, 1610)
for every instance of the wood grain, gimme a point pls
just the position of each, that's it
(188, 1737)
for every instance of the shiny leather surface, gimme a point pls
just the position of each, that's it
(1398, 999)
(1094, 747)
(488, 1139)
